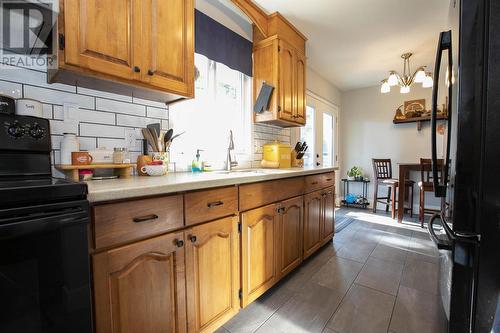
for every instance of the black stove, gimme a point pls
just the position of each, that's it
(44, 262)
(25, 165)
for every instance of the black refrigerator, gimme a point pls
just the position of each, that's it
(467, 230)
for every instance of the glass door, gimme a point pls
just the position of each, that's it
(320, 133)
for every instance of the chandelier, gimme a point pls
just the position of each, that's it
(407, 79)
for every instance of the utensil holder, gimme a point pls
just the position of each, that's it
(162, 156)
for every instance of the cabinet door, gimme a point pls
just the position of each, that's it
(103, 36)
(300, 88)
(286, 81)
(141, 287)
(212, 273)
(313, 219)
(258, 259)
(290, 236)
(328, 215)
(168, 32)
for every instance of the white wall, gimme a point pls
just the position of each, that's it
(323, 88)
(367, 132)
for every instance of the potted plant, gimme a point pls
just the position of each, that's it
(355, 173)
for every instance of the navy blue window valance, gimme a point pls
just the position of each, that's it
(221, 44)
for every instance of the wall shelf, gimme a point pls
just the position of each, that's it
(417, 120)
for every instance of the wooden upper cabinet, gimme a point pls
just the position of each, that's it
(287, 96)
(143, 48)
(290, 235)
(258, 253)
(141, 287)
(300, 88)
(103, 36)
(279, 60)
(328, 227)
(313, 220)
(169, 45)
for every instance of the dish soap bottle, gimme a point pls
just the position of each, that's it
(197, 164)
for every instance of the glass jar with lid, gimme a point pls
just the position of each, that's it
(120, 155)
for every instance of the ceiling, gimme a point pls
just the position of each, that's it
(354, 43)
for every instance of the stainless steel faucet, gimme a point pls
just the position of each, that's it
(231, 159)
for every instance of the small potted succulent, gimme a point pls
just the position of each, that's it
(355, 173)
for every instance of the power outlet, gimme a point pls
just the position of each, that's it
(130, 138)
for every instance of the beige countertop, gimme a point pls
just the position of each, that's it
(117, 189)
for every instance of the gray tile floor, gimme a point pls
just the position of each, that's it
(376, 276)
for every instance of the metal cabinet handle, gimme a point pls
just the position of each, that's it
(192, 238)
(179, 242)
(151, 72)
(314, 183)
(215, 204)
(145, 218)
(137, 69)
(329, 179)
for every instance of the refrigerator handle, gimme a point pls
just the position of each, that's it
(441, 244)
(443, 45)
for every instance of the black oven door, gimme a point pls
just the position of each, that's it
(44, 269)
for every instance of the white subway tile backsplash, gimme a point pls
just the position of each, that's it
(35, 78)
(120, 107)
(58, 97)
(47, 111)
(87, 143)
(136, 100)
(58, 112)
(165, 125)
(102, 119)
(103, 94)
(132, 121)
(153, 112)
(90, 116)
(60, 127)
(13, 90)
(103, 131)
(111, 143)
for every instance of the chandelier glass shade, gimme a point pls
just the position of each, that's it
(405, 80)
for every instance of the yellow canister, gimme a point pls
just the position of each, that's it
(277, 154)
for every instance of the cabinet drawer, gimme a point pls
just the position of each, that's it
(317, 182)
(125, 221)
(260, 194)
(202, 206)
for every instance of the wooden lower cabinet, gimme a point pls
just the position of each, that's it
(328, 227)
(141, 287)
(313, 220)
(290, 236)
(258, 252)
(212, 273)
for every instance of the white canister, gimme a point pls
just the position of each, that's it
(29, 107)
(69, 144)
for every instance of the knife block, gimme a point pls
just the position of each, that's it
(296, 163)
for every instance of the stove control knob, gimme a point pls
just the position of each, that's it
(16, 130)
(36, 131)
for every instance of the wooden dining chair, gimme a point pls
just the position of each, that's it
(382, 172)
(426, 185)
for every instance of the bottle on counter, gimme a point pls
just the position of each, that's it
(69, 144)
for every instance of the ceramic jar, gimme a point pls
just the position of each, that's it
(69, 144)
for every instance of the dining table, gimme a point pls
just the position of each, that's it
(404, 174)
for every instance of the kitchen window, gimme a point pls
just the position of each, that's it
(222, 103)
